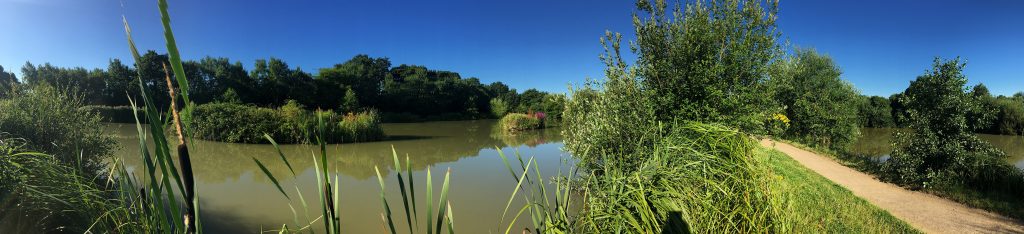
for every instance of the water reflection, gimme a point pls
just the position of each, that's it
(238, 198)
(874, 142)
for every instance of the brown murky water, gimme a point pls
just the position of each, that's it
(236, 197)
(875, 142)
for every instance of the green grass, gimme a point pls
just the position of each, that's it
(820, 206)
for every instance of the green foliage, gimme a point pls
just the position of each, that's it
(516, 122)
(499, 107)
(708, 61)
(699, 178)
(113, 114)
(350, 103)
(607, 122)
(410, 89)
(942, 150)
(1009, 120)
(822, 107)
(230, 96)
(7, 82)
(291, 123)
(52, 121)
(875, 112)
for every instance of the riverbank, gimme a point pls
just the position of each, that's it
(924, 211)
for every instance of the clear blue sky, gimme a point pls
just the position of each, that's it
(880, 45)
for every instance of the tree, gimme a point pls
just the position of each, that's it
(498, 107)
(362, 74)
(350, 102)
(822, 108)
(875, 112)
(709, 62)
(942, 146)
(7, 82)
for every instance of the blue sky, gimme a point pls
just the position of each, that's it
(880, 45)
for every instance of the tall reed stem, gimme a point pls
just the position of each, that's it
(183, 158)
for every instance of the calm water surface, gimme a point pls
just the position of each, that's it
(875, 142)
(236, 197)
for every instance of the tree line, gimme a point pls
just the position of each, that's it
(988, 114)
(361, 83)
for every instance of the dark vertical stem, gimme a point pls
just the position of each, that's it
(183, 159)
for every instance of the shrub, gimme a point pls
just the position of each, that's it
(361, 127)
(942, 149)
(823, 108)
(52, 122)
(515, 122)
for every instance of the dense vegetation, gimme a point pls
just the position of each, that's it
(1003, 115)
(52, 157)
(290, 123)
(942, 153)
(821, 107)
(649, 171)
(516, 122)
(401, 93)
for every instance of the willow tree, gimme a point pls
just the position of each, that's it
(708, 62)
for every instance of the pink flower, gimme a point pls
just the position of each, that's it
(539, 115)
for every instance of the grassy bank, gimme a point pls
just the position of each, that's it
(290, 123)
(820, 206)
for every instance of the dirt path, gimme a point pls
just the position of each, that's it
(925, 212)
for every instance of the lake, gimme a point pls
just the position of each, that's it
(875, 142)
(236, 197)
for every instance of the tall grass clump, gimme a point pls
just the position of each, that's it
(517, 122)
(50, 121)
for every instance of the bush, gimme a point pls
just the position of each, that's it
(290, 123)
(52, 122)
(515, 122)
(822, 107)
(942, 150)
(115, 114)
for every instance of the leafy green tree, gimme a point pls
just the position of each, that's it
(822, 108)
(230, 96)
(875, 112)
(942, 148)
(7, 82)
(362, 74)
(498, 107)
(710, 61)
(350, 102)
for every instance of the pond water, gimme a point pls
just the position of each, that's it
(236, 197)
(875, 142)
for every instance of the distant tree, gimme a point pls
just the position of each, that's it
(498, 107)
(7, 82)
(230, 96)
(980, 118)
(363, 74)
(351, 102)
